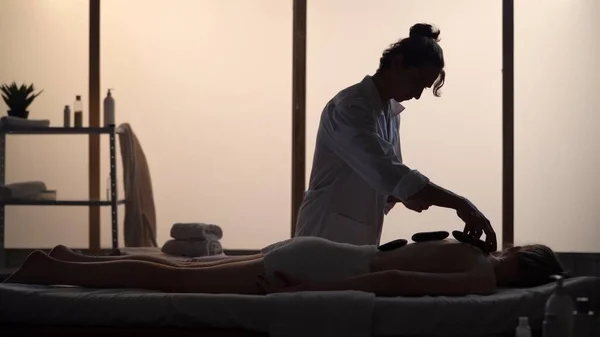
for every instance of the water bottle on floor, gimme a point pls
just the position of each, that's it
(523, 329)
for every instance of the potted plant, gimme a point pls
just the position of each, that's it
(18, 98)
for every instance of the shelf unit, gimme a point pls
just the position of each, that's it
(113, 203)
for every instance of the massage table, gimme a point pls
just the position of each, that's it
(34, 310)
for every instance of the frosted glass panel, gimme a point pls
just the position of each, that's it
(557, 146)
(455, 139)
(45, 42)
(206, 86)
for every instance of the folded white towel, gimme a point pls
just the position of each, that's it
(22, 190)
(43, 196)
(322, 314)
(192, 248)
(13, 122)
(196, 230)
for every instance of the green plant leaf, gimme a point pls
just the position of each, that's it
(18, 98)
(28, 101)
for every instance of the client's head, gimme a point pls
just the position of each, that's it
(526, 266)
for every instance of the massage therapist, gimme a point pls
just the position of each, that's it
(358, 173)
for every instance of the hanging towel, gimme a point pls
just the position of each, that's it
(196, 230)
(192, 248)
(140, 213)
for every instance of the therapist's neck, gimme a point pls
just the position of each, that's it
(383, 83)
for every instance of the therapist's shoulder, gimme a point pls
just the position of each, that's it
(351, 98)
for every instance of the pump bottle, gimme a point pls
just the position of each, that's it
(558, 320)
(109, 110)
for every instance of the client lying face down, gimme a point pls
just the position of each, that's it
(445, 267)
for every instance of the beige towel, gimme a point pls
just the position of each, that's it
(16, 123)
(42, 196)
(196, 230)
(192, 248)
(21, 190)
(140, 213)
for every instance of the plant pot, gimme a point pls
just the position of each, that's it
(19, 114)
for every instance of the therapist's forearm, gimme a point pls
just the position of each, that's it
(441, 197)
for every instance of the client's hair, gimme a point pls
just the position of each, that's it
(419, 49)
(537, 263)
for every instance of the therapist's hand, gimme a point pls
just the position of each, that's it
(476, 224)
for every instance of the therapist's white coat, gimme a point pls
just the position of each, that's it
(357, 164)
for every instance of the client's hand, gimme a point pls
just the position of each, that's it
(287, 284)
(476, 224)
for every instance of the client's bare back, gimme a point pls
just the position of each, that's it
(445, 256)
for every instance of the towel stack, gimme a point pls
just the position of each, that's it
(26, 191)
(194, 240)
(17, 123)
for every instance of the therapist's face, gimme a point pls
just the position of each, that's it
(410, 81)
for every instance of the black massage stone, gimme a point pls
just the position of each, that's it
(430, 236)
(460, 236)
(392, 245)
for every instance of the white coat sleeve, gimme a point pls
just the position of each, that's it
(351, 131)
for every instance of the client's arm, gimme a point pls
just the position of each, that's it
(405, 283)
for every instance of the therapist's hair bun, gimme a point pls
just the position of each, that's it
(424, 30)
